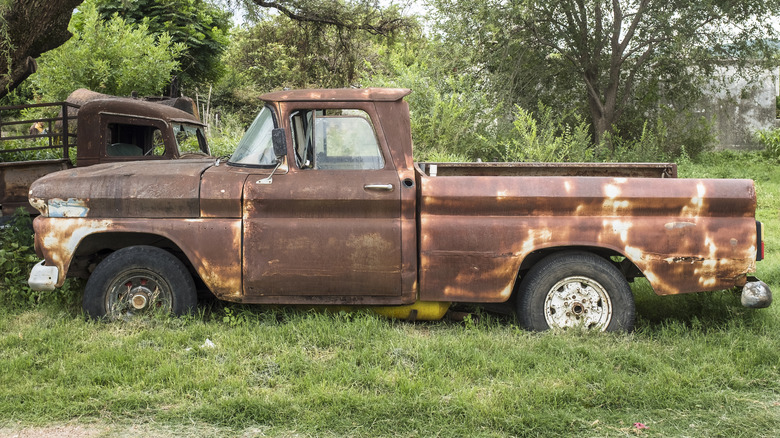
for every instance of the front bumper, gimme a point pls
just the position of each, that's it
(756, 294)
(43, 278)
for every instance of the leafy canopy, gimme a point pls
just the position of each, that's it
(199, 25)
(112, 57)
(616, 61)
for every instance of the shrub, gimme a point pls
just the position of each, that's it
(546, 139)
(770, 140)
(17, 257)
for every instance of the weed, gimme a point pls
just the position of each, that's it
(770, 140)
(17, 256)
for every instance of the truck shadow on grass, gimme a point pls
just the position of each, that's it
(719, 310)
(701, 311)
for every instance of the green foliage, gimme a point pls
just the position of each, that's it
(616, 64)
(546, 139)
(17, 243)
(777, 107)
(278, 52)
(111, 57)
(452, 117)
(224, 138)
(17, 257)
(6, 46)
(333, 47)
(770, 140)
(200, 26)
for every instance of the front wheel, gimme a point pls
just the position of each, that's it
(575, 290)
(138, 280)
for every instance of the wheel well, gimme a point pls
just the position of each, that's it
(626, 266)
(95, 247)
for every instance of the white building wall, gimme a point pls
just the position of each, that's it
(742, 107)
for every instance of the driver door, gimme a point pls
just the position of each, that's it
(331, 227)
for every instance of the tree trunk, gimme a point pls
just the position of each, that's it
(32, 27)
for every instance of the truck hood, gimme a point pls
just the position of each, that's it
(138, 189)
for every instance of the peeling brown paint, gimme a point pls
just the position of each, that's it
(684, 235)
(465, 235)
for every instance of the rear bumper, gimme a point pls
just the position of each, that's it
(756, 294)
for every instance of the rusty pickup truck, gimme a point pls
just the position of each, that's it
(322, 204)
(107, 129)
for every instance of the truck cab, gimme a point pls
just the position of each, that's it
(104, 129)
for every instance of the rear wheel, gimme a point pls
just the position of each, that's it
(139, 280)
(575, 290)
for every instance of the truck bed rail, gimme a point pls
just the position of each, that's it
(640, 170)
(57, 130)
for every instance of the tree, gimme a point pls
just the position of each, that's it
(29, 28)
(336, 44)
(111, 57)
(199, 25)
(618, 55)
(347, 16)
(278, 52)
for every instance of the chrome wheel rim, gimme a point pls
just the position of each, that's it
(138, 291)
(578, 302)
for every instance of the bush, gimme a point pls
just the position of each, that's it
(546, 139)
(17, 257)
(770, 140)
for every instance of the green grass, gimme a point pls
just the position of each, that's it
(697, 365)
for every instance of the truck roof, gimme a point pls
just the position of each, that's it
(338, 94)
(136, 108)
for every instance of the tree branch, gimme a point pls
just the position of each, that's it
(383, 26)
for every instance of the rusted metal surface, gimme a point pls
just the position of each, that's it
(93, 137)
(634, 170)
(15, 180)
(142, 189)
(322, 235)
(329, 237)
(221, 191)
(684, 235)
(101, 113)
(316, 237)
(215, 258)
(319, 96)
(82, 96)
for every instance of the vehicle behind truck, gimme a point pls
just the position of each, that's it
(322, 204)
(103, 129)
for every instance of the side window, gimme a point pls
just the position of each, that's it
(126, 140)
(189, 139)
(335, 140)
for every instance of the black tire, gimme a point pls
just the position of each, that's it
(138, 280)
(575, 289)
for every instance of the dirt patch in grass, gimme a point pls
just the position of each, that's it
(65, 431)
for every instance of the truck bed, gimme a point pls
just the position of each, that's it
(684, 235)
(16, 177)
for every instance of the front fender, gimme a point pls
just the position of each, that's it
(212, 246)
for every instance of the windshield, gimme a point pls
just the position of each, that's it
(190, 139)
(256, 146)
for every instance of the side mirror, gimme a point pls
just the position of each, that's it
(279, 139)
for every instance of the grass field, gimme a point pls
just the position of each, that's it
(698, 365)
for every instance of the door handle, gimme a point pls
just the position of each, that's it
(379, 187)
